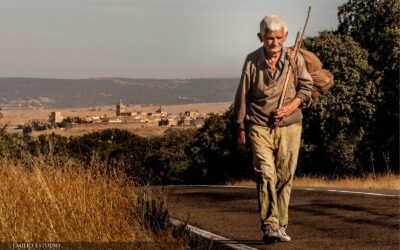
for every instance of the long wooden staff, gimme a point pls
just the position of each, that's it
(297, 44)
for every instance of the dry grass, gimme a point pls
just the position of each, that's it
(62, 202)
(387, 181)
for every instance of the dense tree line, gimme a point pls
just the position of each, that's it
(206, 155)
(352, 130)
(355, 128)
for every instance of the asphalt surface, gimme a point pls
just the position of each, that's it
(317, 219)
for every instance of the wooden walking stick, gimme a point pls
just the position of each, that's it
(297, 44)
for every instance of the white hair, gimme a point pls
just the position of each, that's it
(272, 23)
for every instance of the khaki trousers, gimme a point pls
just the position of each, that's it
(275, 154)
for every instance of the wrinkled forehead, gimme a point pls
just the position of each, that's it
(278, 33)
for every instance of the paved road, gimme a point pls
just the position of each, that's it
(317, 220)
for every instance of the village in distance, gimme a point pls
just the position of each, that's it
(144, 120)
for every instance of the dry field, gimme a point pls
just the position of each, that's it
(386, 181)
(59, 201)
(14, 117)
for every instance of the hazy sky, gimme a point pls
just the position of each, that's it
(143, 38)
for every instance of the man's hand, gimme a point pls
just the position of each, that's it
(242, 139)
(287, 109)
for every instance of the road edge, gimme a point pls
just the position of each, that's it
(297, 188)
(220, 240)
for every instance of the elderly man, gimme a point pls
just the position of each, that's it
(275, 148)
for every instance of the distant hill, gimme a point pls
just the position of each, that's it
(36, 92)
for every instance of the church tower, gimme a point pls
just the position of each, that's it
(120, 108)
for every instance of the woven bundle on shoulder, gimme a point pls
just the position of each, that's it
(322, 78)
(312, 61)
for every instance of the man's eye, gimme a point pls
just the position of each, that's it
(272, 38)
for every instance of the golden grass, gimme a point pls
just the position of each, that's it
(387, 181)
(62, 202)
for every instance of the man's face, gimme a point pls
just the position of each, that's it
(273, 41)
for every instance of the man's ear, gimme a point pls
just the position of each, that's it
(286, 35)
(260, 37)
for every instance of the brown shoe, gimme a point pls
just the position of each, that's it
(271, 234)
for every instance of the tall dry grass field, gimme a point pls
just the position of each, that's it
(62, 202)
(385, 181)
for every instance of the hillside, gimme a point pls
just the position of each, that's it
(36, 92)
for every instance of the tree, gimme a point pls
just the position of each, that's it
(167, 161)
(215, 154)
(336, 128)
(206, 151)
(375, 25)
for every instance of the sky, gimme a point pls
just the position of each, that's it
(173, 39)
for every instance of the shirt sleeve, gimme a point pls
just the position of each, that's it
(241, 97)
(305, 83)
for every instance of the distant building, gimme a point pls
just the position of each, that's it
(198, 122)
(55, 117)
(117, 120)
(188, 119)
(121, 110)
(159, 110)
(173, 121)
(95, 118)
(191, 114)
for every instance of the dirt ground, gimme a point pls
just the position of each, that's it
(14, 117)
